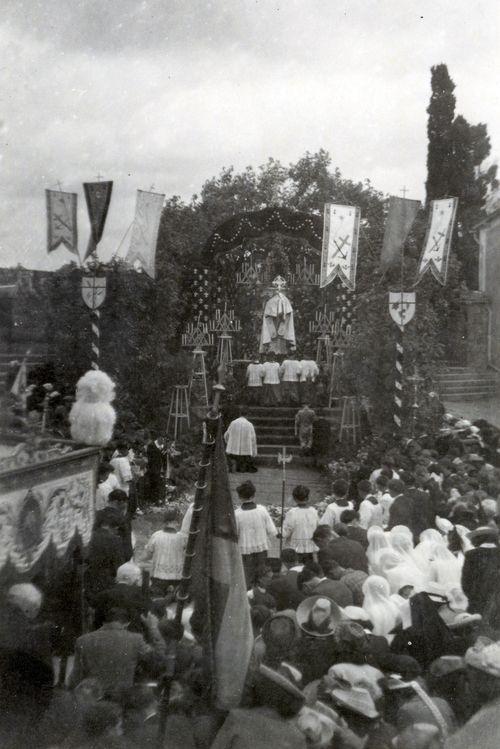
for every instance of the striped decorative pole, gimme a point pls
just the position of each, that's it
(401, 309)
(398, 380)
(94, 294)
(95, 322)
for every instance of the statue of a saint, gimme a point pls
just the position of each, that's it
(278, 332)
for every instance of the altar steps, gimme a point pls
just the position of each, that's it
(275, 428)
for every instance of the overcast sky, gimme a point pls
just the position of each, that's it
(166, 92)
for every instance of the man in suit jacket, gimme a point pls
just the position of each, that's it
(481, 568)
(111, 654)
(350, 518)
(155, 482)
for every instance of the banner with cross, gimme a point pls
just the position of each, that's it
(438, 239)
(340, 244)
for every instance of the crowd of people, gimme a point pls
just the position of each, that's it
(378, 626)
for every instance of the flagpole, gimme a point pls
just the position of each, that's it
(213, 417)
(209, 437)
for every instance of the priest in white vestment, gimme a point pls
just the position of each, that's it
(241, 444)
(278, 332)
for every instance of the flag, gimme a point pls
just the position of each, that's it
(400, 218)
(21, 382)
(142, 248)
(221, 606)
(340, 244)
(98, 197)
(437, 241)
(61, 220)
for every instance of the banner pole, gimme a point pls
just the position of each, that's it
(95, 326)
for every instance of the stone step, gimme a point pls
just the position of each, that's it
(471, 385)
(466, 377)
(469, 397)
(266, 428)
(278, 439)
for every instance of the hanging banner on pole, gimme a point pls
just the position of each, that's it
(61, 220)
(402, 305)
(142, 250)
(93, 291)
(437, 241)
(340, 244)
(399, 221)
(98, 197)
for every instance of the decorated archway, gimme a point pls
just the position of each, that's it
(243, 257)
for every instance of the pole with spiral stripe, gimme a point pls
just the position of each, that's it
(398, 381)
(95, 324)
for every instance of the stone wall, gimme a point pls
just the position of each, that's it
(489, 279)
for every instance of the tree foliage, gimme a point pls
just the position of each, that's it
(456, 154)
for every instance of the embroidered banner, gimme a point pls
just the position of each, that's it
(340, 244)
(61, 220)
(437, 241)
(142, 250)
(98, 197)
(58, 502)
(400, 218)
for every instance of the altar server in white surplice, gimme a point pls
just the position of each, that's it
(254, 377)
(290, 374)
(241, 444)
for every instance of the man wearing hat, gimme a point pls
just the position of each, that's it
(268, 724)
(481, 568)
(483, 672)
(255, 527)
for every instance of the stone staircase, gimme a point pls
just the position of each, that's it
(466, 384)
(275, 428)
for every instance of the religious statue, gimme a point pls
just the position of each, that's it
(278, 333)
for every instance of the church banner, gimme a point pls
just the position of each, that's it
(98, 197)
(45, 505)
(61, 220)
(142, 248)
(340, 244)
(437, 241)
(399, 221)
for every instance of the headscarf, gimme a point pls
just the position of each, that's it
(444, 567)
(403, 545)
(422, 551)
(377, 540)
(398, 529)
(383, 612)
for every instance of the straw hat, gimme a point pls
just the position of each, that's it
(357, 700)
(445, 665)
(484, 534)
(485, 656)
(322, 603)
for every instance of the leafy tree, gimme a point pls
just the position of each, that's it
(455, 167)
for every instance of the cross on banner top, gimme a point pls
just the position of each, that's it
(404, 190)
(99, 177)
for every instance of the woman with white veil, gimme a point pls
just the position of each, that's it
(399, 573)
(403, 545)
(422, 551)
(377, 603)
(377, 540)
(445, 568)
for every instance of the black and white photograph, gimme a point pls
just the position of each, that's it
(249, 374)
